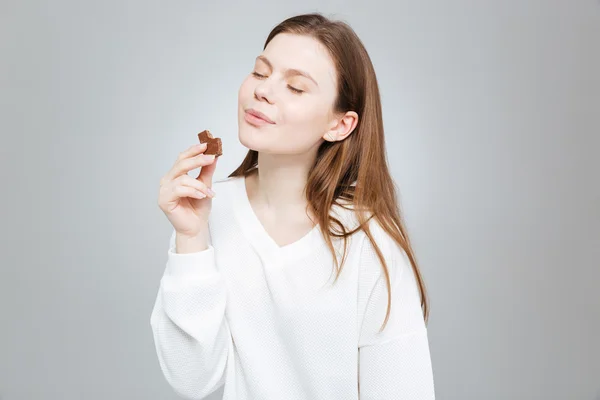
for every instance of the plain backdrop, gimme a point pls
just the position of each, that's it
(492, 118)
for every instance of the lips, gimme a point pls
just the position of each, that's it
(259, 115)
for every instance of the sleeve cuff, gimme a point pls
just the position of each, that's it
(191, 265)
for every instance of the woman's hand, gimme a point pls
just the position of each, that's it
(187, 201)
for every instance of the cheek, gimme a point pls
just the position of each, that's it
(246, 90)
(308, 116)
(302, 124)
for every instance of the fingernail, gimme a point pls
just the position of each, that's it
(211, 192)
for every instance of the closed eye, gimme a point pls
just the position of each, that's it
(293, 89)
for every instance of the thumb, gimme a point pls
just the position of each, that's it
(207, 172)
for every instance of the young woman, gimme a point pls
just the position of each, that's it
(297, 281)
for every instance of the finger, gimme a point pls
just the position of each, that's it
(192, 151)
(185, 165)
(188, 191)
(207, 172)
(187, 180)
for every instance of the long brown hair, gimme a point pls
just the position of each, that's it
(355, 169)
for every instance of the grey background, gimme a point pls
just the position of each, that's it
(492, 117)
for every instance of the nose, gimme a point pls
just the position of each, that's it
(263, 92)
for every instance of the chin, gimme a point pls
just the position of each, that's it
(249, 139)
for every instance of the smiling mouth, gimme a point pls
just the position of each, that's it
(256, 118)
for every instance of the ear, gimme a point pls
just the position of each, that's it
(342, 127)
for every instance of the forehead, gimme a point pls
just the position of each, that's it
(301, 52)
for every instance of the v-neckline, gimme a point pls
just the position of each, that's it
(258, 236)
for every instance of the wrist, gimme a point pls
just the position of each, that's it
(191, 243)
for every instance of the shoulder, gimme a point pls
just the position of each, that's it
(348, 215)
(226, 182)
(228, 193)
(227, 190)
(395, 257)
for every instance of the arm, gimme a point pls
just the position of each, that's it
(396, 363)
(191, 335)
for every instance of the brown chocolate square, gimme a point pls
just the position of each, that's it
(214, 145)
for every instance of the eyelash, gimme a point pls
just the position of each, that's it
(293, 89)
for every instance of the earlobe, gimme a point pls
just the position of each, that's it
(329, 137)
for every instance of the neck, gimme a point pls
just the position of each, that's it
(280, 181)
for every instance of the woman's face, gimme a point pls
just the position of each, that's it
(293, 83)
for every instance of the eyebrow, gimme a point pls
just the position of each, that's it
(289, 72)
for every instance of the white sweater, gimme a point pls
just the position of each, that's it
(268, 324)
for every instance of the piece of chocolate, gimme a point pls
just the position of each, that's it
(214, 145)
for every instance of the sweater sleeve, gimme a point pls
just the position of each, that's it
(191, 334)
(396, 363)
